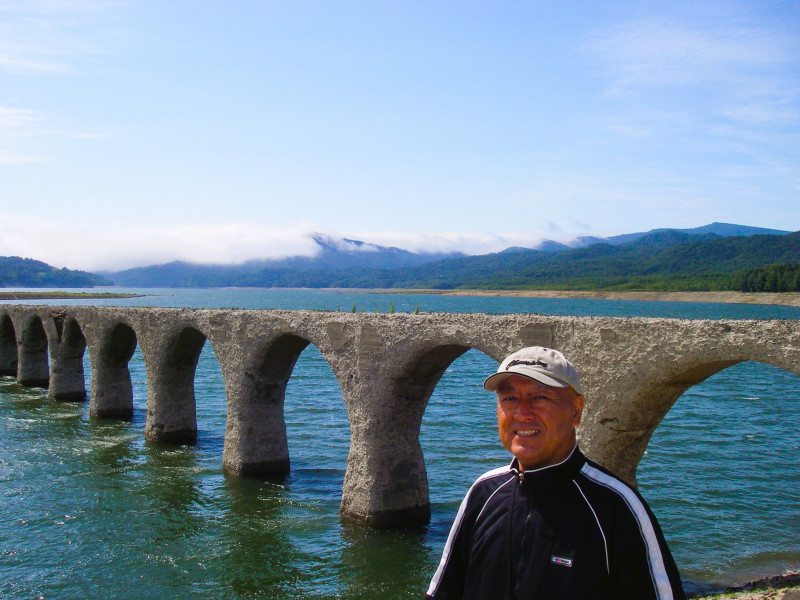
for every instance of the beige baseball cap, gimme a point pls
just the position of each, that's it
(544, 365)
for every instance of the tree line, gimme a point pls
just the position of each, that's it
(769, 278)
(26, 272)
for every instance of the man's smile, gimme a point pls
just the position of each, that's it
(526, 432)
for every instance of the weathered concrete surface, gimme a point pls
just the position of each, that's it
(8, 347)
(387, 365)
(67, 346)
(32, 366)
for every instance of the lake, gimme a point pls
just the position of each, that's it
(90, 510)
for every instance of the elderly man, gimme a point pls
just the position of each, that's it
(552, 525)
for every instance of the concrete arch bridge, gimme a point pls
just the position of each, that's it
(387, 365)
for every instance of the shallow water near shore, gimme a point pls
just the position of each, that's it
(89, 509)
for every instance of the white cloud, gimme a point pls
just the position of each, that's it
(747, 75)
(468, 243)
(123, 247)
(43, 37)
(16, 158)
(660, 52)
(16, 117)
(15, 124)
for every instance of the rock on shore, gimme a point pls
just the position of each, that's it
(778, 587)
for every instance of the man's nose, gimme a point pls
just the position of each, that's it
(525, 407)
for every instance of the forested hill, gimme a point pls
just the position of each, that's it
(661, 260)
(26, 272)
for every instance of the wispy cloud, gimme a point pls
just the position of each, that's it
(679, 93)
(43, 37)
(225, 243)
(744, 74)
(17, 117)
(124, 247)
(662, 53)
(468, 243)
(16, 124)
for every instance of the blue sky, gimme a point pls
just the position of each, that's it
(135, 132)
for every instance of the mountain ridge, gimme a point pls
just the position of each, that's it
(344, 254)
(16, 271)
(706, 255)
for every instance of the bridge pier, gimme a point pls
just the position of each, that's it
(386, 481)
(171, 406)
(67, 382)
(255, 434)
(33, 369)
(112, 392)
(8, 347)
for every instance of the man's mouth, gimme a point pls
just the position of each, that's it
(526, 432)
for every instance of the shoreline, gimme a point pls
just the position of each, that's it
(63, 295)
(726, 297)
(767, 588)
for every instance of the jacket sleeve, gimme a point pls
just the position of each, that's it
(642, 567)
(448, 581)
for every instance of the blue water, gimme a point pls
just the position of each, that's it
(345, 300)
(89, 510)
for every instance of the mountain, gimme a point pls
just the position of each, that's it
(720, 229)
(588, 240)
(26, 272)
(335, 254)
(658, 256)
(703, 256)
(638, 259)
(664, 258)
(332, 255)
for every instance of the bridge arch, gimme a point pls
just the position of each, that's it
(397, 470)
(646, 405)
(8, 347)
(459, 432)
(112, 390)
(255, 434)
(171, 402)
(317, 424)
(724, 455)
(33, 368)
(67, 347)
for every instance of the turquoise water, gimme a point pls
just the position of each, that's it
(89, 510)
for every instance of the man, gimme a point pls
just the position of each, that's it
(552, 525)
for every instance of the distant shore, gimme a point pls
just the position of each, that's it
(63, 295)
(786, 299)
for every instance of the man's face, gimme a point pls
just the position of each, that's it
(537, 422)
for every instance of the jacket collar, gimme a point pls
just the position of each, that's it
(564, 470)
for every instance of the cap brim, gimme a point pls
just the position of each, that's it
(493, 381)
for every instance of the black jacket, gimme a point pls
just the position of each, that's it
(564, 532)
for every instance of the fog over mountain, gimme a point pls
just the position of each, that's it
(344, 262)
(356, 263)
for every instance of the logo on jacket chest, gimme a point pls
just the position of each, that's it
(561, 560)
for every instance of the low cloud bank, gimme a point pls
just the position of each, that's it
(121, 247)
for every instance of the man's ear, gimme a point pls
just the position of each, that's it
(578, 405)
